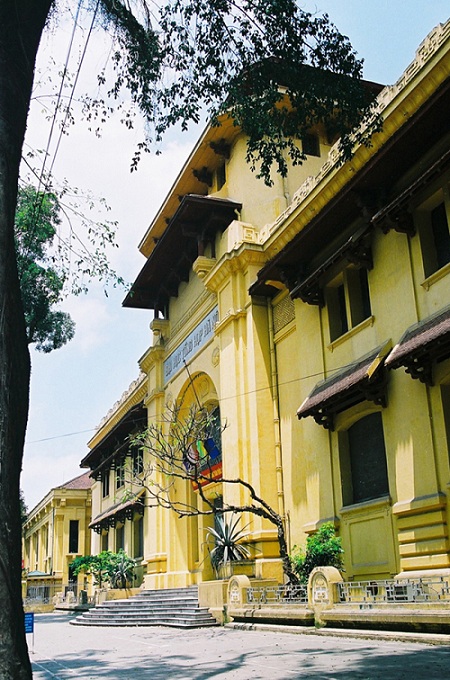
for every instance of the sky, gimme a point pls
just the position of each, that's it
(74, 387)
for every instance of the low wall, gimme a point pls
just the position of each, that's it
(398, 605)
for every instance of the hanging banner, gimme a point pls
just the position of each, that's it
(203, 332)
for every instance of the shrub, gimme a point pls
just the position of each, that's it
(323, 549)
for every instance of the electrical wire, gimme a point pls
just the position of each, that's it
(221, 399)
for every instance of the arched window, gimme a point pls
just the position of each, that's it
(363, 461)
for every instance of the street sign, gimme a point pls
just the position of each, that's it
(29, 622)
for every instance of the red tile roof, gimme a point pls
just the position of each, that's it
(81, 482)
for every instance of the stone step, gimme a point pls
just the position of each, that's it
(169, 602)
(148, 612)
(144, 622)
(176, 607)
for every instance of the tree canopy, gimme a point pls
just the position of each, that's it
(274, 68)
(41, 284)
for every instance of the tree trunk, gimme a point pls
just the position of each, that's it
(21, 26)
(284, 554)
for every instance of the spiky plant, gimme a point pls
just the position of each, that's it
(229, 542)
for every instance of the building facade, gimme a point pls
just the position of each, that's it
(314, 316)
(57, 531)
(118, 506)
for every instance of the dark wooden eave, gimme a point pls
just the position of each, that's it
(395, 215)
(195, 223)
(365, 196)
(363, 380)
(355, 250)
(422, 345)
(118, 512)
(113, 443)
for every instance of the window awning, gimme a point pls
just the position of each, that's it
(118, 513)
(363, 380)
(423, 344)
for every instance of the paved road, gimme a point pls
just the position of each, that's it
(63, 651)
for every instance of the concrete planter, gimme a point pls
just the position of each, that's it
(238, 568)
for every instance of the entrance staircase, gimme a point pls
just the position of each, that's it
(176, 607)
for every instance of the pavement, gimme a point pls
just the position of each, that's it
(59, 651)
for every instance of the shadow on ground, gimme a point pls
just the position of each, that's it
(362, 663)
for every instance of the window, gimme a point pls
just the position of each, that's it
(138, 537)
(441, 234)
(120, 538)
(218, 506)
(105, 483)
(73, 536)
(104, 541)
(221, 176)
(363, 460)
(310, 145)
(433, 221)
(348, 301)
(138, 461)
(445, 397)
(120, 474)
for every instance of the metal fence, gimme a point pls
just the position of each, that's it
(362, 593)
(286, 594)
(420, 590)
(49, 593)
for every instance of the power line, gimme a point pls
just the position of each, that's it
(61, 436)
(221, 399)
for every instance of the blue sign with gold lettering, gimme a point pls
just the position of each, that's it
(203, 332)
(29, 622)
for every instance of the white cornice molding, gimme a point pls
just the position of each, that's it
(135, 393)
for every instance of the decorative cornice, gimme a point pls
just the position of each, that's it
(236, 261)
(132, 396)
(316, 192)
(151, 357)
(156, 393)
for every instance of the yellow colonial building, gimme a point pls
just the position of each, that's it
(117, 508)
(57, 531)
(314, 317)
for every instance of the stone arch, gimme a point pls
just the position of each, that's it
(199, 391)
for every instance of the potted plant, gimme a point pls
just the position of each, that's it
(230, 547)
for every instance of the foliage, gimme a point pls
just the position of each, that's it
(229, 541)
(23, 508)
(323, 549)
(123, 571)
(275, 69)
(175, 454)
(106, 567)
(41, 285)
